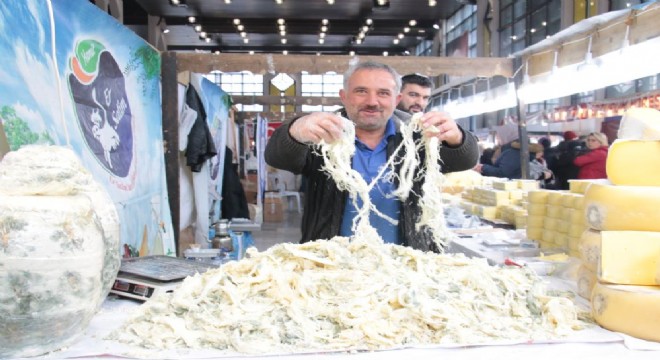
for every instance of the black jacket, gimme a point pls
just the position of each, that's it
(324, 202)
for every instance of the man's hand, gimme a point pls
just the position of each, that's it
(312, 128)
(478, 168)
(441, 125)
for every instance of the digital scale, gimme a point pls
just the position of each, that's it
(141, 278)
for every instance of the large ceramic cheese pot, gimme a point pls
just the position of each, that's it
(59, 249)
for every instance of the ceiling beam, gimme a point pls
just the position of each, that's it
(291, 64)
(288, 100)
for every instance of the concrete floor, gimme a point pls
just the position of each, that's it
(272, 233)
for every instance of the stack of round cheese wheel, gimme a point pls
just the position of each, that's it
(59, 249)
(624, 240)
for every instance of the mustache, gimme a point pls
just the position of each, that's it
(370, 108)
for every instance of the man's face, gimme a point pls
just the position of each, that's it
(370, 98)
(414, 98)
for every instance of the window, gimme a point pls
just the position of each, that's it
(461, 35)
(631, 88)
(526, 22)
(326, 85)
(240, 83)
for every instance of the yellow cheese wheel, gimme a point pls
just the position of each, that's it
(576, 230)
(578, 186)
(629, 257)
(573, 242)
(578, 202)
(630, 309)
(589, 248)
(610, 207)
(634, 162)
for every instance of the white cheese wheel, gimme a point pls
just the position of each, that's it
(640, 124)
(630, 309)
(59, 252)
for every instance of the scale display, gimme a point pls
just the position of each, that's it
(141, 278)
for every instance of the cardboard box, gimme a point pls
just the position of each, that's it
(251, 197)
(273, 211)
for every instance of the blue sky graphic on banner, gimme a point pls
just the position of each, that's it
(96, 90)
(216, 104)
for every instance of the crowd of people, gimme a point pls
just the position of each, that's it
(575, 157)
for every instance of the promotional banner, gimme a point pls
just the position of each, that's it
(73, 76)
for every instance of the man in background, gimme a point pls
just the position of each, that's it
(415, 93)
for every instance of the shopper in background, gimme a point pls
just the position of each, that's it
(370, 94)
(592, 164)
(538, 168)
(561, 159)
(415, 93)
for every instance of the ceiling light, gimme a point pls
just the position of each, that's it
(361, 36)
(227, 1)
(237, 21)
(368, 21)
(436, 26)
(208, 40)
(322, 35)
(280, 21)
(166, 30)
(331, 2)
(400, 36)
(324, 21)
(240, 27)
(191, 19)
(174, 2)
(358, 41)
(412, 22)
(352, 53)
(282, 27)
(318, 53)
(406, 52)
(283, 33)
(381, 4)
(279, 2)
(243, 34)
(406, 29)
(217, 52)
(285, 52)
(365, 28)
(324, 28)
(178, 3)
(198, 28)
(385, 53)
(321, 41)
(246, 40)
(283, 41)
(395, 41)
(251, 52)
(202, 34)
(432, 3)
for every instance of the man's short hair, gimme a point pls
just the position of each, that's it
(372, 65)
(417, 79)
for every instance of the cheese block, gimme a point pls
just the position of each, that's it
(536, 209)
(610, 207)
(555, 197)
(586, 279)
(538, 196)
(553, 211)
(630, 309)
(634, 162)
(535, 220)
(640, 124)
(534, 233)
(629, 257)
(589, 248)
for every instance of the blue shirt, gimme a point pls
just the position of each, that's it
(368, 163)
